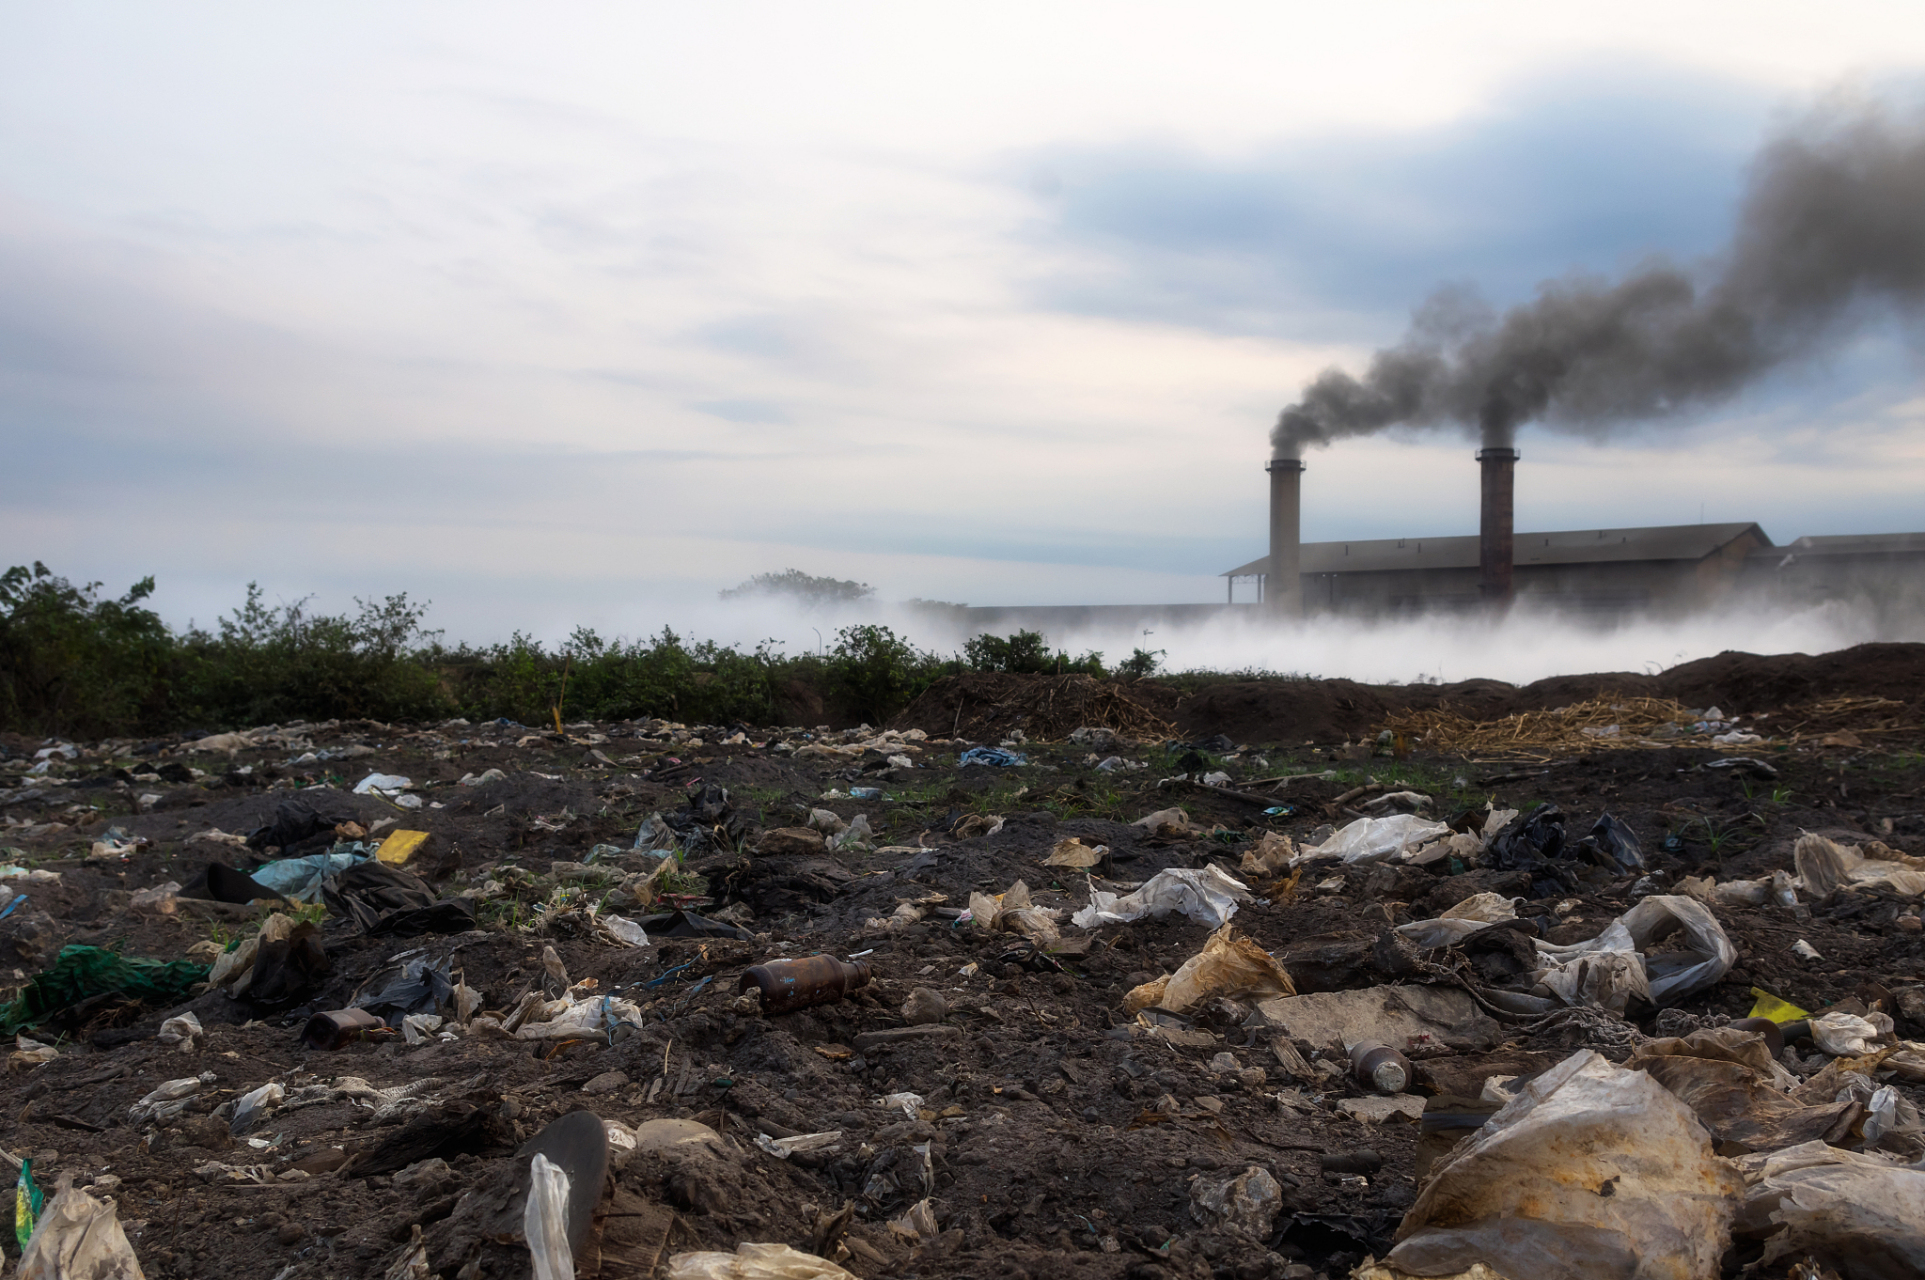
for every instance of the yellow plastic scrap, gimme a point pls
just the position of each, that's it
(1770, 1006)
(400, 846)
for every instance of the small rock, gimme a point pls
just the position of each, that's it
(606, 1082)
(289, 1234)
(923, 1007)
(1909, 924)
(1225, 1064)
(1253, 1077)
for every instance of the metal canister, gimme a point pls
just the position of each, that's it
(336, 1028)
(1380, 1067)
(1773, 1033)
(800, 984)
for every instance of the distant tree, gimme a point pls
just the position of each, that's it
(805, 589)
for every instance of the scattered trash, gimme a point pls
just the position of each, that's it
(1245, 1203)
(542, 1220)
(754, 1262)
(1857, 1213)
(1073, 853)
(787, 985)
(1227, 967)
(77, 1238)
(183, 1031)
(1209, 896)
(996, 757)
(1011, 912)
(1168, 824)
(1374, 839)
(398, 846)
(1825, 866)
(27, 1202)
(386, 786)
(1380, 1067)
(82, 977)
(339, 1028)
(1592, 1165)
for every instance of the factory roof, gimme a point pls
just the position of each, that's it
(1576, 546)
(1846, 544)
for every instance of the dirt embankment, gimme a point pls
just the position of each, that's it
(1286, 712)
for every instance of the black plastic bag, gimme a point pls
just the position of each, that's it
(1613, 846)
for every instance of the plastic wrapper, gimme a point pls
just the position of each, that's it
(1246, 1203)
(1846, 1035)
(1011, 912)
(78, 1238)
(1857, 1213)
(1233, 968)
(544, 1220)
(1590, 1171)
(755, 1262)
(1208, 896)
(1825, 866)
(1375, 839)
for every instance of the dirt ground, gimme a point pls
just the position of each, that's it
(1053, 1133)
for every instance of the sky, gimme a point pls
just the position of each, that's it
(578, 314)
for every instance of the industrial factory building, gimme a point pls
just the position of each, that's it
(1602, 571)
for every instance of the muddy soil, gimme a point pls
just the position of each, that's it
(1053, 1133)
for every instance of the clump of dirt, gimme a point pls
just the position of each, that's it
(992, 705)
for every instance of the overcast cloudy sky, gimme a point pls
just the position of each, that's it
(561, 314)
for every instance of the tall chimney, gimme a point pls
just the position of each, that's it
(1494, 528)
(1283, 591)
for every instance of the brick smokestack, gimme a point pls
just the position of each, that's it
(1495, 543)
(1283, 590)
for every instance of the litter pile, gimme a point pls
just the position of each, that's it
(1069, 998)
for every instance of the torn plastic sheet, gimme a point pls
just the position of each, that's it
(1857, 1213)
(1590, 1171)
(1234, 968)
(1208, 896)
(1825, 866)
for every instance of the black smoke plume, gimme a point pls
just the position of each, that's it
(1830, 234)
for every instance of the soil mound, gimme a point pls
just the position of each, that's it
(984, 706)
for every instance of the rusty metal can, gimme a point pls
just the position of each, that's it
(1380, 1067)
(801, 984)
(336, 1028)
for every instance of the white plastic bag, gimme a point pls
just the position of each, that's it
(1607, 970)
(181, 1030)
(1371, 839)
(1590, 1171)
(544, 1221)
(1208, 896)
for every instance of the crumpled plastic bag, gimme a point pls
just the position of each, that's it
(78, 1238)
(1825, 866)
(1373, 839)
(1590, 1171)
(755, 1262)
(1607, 970)
(1234, 968)
(300, 879)
(1208, 896)
(857, 835)
(1857, 1213)
(1171, 824)
(384, 785)
(1073, 853)
(1846, 1035)
(182, 1031)
(1011, 912)
(544, 1220)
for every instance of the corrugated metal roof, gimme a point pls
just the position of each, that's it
(1575, 546)
(1848, 544)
